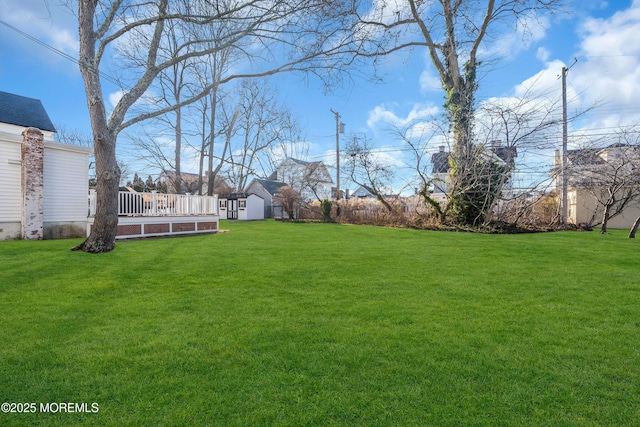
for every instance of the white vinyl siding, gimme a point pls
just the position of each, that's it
(66, 185)
(10, 181)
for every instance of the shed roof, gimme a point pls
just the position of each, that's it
(235, 196)
(22, 111)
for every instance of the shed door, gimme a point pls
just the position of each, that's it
(232, 209)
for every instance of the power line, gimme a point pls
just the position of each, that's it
(58, 52)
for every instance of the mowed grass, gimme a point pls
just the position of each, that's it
(276, 324)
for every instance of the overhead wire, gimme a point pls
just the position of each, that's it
(58, 52)
(384, 149)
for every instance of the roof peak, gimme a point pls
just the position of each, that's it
(23, 111)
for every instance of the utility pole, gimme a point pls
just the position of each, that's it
(563, 202)
(339, 130)
(564, 212)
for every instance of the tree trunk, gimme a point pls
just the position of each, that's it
(227, 145)
(464, 201)
(636, 224)
(102, 237)
(103, 232)
(605, 219)
(178, 135)
(211, 178)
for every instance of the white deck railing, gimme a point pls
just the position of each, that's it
(159, 204)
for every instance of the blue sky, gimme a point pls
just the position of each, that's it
(601, 35)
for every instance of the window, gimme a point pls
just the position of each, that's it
(242, 204)
(223, 203)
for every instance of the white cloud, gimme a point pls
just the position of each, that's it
(544, 82)
(608, 67)
(55, 26)
(385, 157)
(606, 75)
(381, 115)
(512, 41)
(115, 97)
(543, 54)
(428, 81)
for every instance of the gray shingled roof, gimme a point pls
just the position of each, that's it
(301, 162)
(584, 157)
(440, 162)
(22, 111)
(271, 186)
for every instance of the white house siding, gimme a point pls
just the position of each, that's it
(66, 190)
(293, 173)
(10, 186)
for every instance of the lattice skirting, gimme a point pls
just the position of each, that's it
(136, 227)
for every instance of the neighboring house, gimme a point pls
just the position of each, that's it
(440, 166)
(591, 173)
(241, 206)
(440, 172)
(44, 184)
(267, 189)
(344, 194)
(310, 179)
(363, 193)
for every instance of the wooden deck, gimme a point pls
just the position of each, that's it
(156, 215)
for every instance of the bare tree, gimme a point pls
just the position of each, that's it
(66, 135)
(606, 178)
(219, 117)
(291, 143)
(260, 125)
(277, 36)
(289, 199)
(511, 135)
(209, 122)
(365, 169)
(173, 81)
(518, 128)
(453, 32)
(314, 181)
(634, 228)
(419, 137)
(155, 153)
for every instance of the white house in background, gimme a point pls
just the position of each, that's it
(241, 206)
(43, 184)
(363, 192)
(310, 179)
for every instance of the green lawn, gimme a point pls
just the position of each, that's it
(277, 324)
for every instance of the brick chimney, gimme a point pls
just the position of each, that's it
(32, 184)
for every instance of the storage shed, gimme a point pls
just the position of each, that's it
(241, 206)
